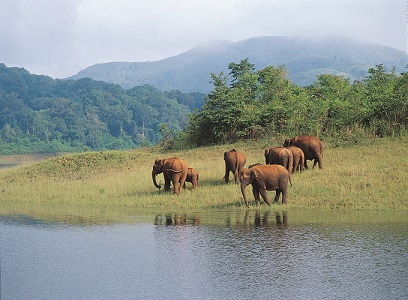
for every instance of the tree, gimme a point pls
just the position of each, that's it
(333, 110)
(383, 105)
(274, 84)
(216, 121)
(244, 81)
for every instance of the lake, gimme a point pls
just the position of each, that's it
(242, 254)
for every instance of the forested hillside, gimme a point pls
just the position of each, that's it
(303, 59)
(248, 104)
(40, 114)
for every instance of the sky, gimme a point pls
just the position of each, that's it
(59, 38)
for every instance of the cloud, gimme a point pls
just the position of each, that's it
(33, 34)
(59, 38)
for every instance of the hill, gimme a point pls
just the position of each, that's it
(41, 114)
(303, 59)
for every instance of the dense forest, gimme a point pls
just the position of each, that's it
(247, 104)
(40, 114)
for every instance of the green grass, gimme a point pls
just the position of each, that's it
(372, 177)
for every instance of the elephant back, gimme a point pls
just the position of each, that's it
(235, 158)
(274, 155)
(309, 144)
(175, 164)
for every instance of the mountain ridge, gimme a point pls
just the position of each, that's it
(304, 59)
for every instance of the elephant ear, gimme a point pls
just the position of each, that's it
(159, 163)
(288, 142)
(253, 174)
(267, 152)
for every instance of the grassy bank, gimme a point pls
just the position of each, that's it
(370, 177)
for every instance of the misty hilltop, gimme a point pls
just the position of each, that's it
(303, 59)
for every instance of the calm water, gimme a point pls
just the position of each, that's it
(217, 255)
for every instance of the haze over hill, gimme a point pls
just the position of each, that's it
(303, 59)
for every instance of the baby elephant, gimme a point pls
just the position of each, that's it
(192, 176)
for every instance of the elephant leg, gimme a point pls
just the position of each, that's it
(226, 177)
(319, 161)
(278, 192)
(264, 195)
(182, 179)
(175, 187)
(306, 167)
(283, 197)
(166, 182)
(295, 165)
(175, 181)
(255, 191)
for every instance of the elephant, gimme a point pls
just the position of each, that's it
(280, 156)
(311, 146)
(174, 170)
(192, 176)
(265, 178)
(298, 158)
(234, 163)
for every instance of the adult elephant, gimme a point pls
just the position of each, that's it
(298, 158)
(174, 170)
(281, 156)
(192, 176)
(265, 178)
(311, 146)
(234, 163)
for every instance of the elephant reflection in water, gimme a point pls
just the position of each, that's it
(179, 219)
(281, 221)
(266, 220)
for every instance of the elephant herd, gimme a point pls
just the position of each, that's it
(275, 174)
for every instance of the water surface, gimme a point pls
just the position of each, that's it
(207, 255)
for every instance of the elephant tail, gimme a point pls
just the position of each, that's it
(290, 180)
(236, 167)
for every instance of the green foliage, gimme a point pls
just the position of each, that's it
(265, 103)
(40, 114)
(168, 135)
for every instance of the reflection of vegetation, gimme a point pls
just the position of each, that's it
(70, 214)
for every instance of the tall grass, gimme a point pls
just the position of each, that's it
(371, 177)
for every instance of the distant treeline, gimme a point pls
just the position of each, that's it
(40, 114)
(246, 104)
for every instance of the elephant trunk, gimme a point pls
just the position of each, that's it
(243, 191)
(154, 174)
